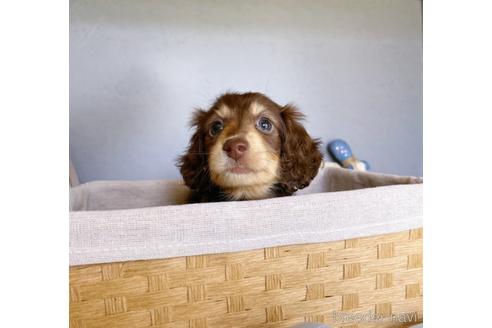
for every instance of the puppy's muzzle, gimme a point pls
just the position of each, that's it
(235, 148)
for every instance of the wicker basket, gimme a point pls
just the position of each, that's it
(366, 282)
(335, 253)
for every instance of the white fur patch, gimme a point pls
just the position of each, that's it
(256, 108)
(223, 111)
(254, 192)
(264, 166)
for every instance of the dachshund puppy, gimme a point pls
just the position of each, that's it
(247, 147)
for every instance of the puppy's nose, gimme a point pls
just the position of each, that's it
(235, 148)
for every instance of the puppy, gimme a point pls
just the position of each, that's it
(247, 147)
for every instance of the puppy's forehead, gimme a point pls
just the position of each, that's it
(224, 111)
(256, 108)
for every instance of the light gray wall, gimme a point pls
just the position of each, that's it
(138, 68)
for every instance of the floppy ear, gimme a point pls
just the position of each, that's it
(300, 158)
(193, 164)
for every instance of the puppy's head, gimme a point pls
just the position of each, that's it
(249, 147)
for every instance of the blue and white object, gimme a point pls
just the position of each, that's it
(341, 152)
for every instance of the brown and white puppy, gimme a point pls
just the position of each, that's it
(248, 147)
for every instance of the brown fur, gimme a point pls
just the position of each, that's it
(277, 162)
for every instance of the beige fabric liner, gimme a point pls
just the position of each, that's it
(113, 221)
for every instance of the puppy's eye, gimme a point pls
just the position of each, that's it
(264, 124)
(215, 128)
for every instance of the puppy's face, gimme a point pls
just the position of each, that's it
(243, 142)
(245, 145)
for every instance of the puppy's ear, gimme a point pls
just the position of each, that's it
(193, 164)
(300, 158)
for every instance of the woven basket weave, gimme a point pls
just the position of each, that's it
(272, 287)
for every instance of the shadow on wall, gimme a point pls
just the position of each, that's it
(117, 123)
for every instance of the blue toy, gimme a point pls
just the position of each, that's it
(341, 152)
